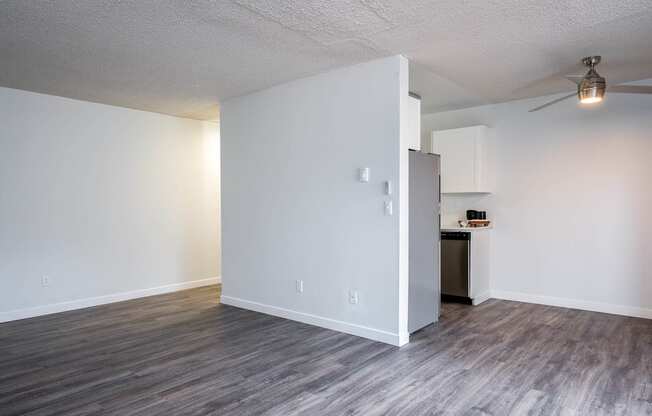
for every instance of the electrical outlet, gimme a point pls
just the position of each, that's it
(353, 297)
(299, 286)
(45, 281)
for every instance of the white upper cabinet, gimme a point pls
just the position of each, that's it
(414, 123)
(463, 159)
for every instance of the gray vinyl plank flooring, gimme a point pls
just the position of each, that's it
(185, 354)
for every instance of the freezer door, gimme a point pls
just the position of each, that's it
(424, 295)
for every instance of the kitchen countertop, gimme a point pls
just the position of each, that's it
(466, 229)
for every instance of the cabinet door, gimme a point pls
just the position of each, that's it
(457, 150)
(480, 264)
(414, 123)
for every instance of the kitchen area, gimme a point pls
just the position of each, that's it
(466, 226)
(448, 171)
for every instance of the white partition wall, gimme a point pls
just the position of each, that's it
(303, 237)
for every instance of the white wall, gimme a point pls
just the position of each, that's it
(102, 199)
(572, 201)
(294, 210)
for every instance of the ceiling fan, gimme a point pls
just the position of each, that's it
(591, 86)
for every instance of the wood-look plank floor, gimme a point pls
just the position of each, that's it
(185, 354)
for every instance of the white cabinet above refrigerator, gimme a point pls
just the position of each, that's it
(414, 122)
(464, 166)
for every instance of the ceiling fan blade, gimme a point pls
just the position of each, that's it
(553, 102)
(574, 78)
(631, 89)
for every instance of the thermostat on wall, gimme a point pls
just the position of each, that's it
(363, 174)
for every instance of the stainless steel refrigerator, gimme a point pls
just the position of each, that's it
(424, 241)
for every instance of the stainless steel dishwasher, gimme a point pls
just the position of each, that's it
(455, 266)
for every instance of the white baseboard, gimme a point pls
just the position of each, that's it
(481, 298)
(306, 318)
(102, 300)
(574, 304)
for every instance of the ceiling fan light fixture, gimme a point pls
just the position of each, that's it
(591, 94)
(590, 100)
(591, 88)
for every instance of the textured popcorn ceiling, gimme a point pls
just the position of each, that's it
(183, 57)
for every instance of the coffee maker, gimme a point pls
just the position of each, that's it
(472, 214)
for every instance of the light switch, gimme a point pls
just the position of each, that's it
(388, 208)
(388, 187)
(363, 174)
